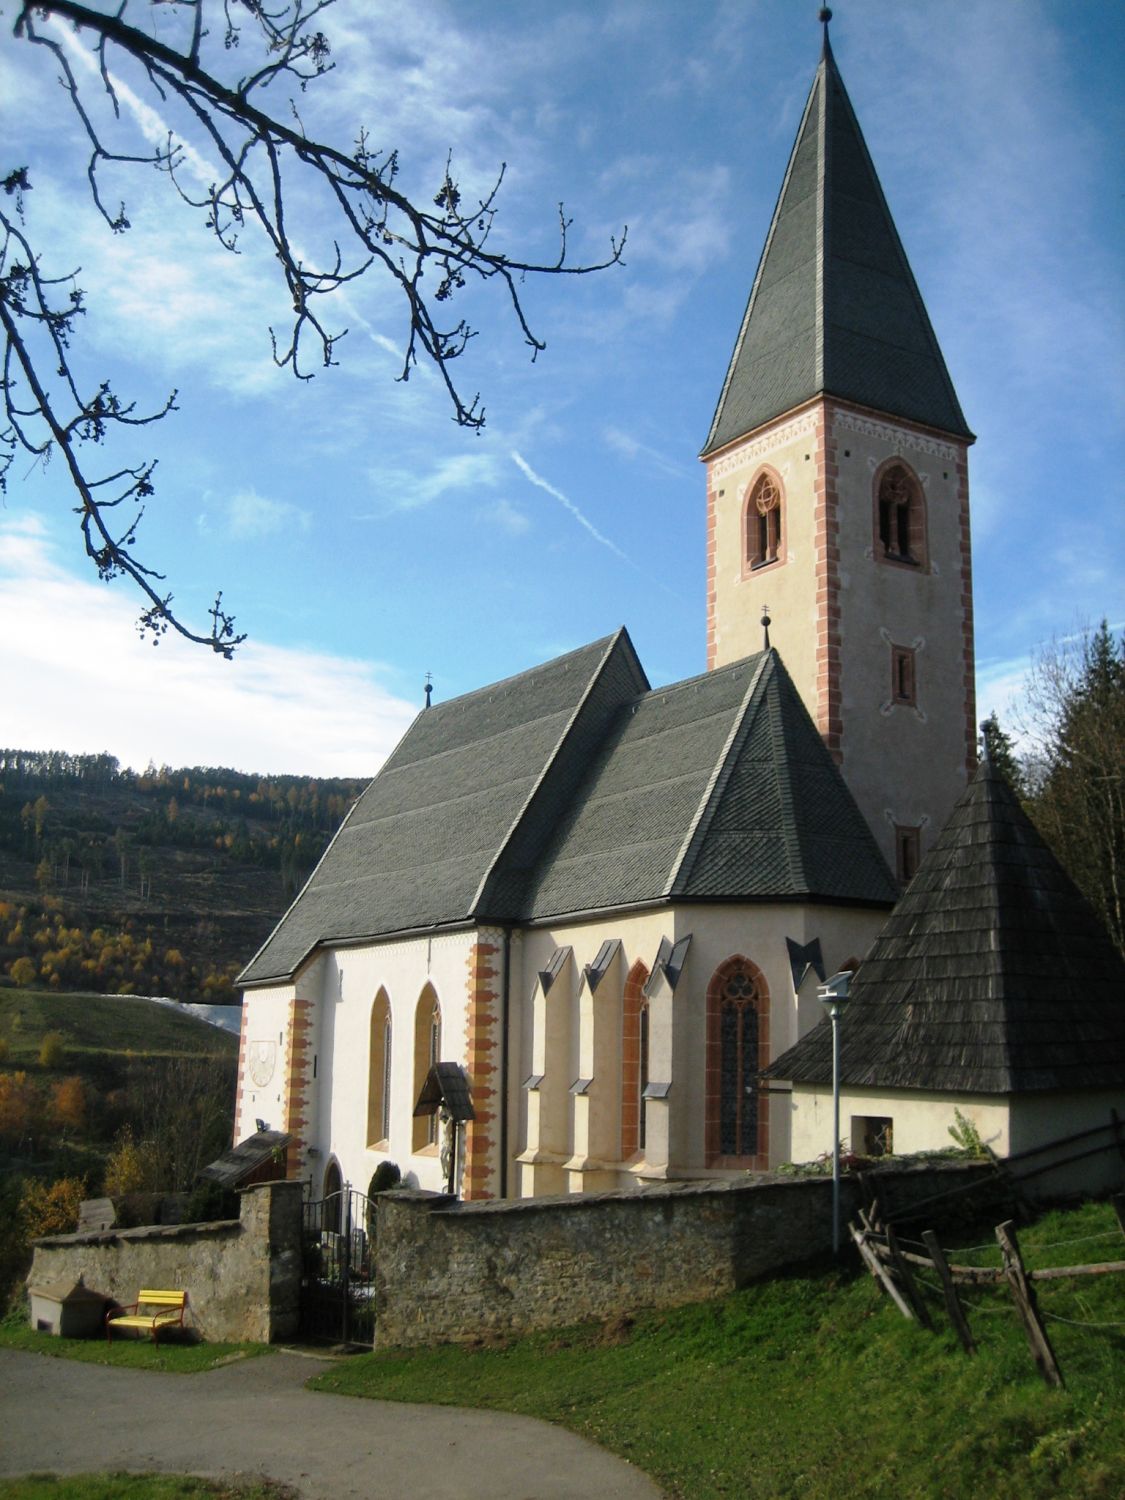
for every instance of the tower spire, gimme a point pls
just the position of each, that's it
(834, 309)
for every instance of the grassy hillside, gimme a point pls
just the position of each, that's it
(164, 882)
(93, 1025)
(102, 1094)
(813, 1387)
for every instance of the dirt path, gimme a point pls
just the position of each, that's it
(254, 1417)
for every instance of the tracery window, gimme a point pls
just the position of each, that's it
(763, 522)
(900, 517)
(737, 1049)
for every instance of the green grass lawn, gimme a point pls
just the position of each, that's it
(813, 1386)
(181, 1357)
(138, 1487)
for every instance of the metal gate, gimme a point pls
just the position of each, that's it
(337, 1269)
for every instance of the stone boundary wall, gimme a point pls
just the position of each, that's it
(242, 1276)
(449, 1271)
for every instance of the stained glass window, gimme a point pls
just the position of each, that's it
(738, 1065)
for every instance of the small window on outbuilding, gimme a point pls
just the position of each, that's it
(762, 523)
(900, 517)
(873, 1135)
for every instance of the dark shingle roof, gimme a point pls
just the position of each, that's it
(834, 307)
(451, 823)
(241, 1161)
(992, 975)
(717, 788)
(574, 788)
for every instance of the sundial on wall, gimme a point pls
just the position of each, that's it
(263, 1060)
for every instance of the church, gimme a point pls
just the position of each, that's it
(608, 905)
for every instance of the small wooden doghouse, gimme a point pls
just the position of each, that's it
(69, 1310)
(992, 990)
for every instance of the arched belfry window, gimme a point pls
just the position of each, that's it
(427, 1051)
(900, 516)
(737, 1119)
(379, 1073)
(763, 522)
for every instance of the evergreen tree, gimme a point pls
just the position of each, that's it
(996, 747)
(1077, 706)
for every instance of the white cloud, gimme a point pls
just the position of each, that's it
(82, 680)
(504, 516)
(407, 491)
(252, 515)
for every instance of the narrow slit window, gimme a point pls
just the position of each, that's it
(907, 852)
(904, 688)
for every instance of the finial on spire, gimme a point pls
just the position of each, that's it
(429, 687)
(824, 17)
(766, 627)
(985, 747)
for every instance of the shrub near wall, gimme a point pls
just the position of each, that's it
(448, 1271)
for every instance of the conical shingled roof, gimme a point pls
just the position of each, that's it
(992, 974)
(834, 309)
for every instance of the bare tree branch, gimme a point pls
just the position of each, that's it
(429, 251)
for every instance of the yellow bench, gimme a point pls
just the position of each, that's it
(164, 1310)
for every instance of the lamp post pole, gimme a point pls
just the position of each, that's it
(833, 995)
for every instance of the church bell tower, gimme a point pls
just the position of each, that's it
(837, 489)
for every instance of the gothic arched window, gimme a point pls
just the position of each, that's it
(427, 1051)
(379, 1073)
(900, 516)
(634, 1060)
(737, 1049)
(762, 522)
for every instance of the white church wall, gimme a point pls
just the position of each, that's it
(353, 978)
(263, 1059)
(572, 1142)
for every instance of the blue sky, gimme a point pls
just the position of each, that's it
(362, 539)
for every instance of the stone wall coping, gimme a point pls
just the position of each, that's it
(441, 1204)
(142, 1232)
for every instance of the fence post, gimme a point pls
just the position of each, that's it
(345, 1268)
(949, 1291)
(1023, 1294)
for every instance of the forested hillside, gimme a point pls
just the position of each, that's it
(160, 882)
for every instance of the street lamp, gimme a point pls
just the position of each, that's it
(833, 995)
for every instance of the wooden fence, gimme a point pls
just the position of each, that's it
(897, 1269)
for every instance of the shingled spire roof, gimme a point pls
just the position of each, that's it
(991, 976)
(834, 309)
